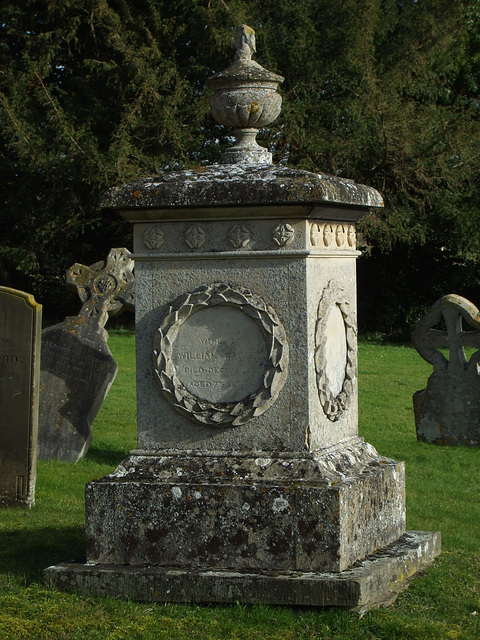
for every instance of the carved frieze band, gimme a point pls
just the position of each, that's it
(202, 382)
(238, 236)
(334, 398)
(247, 236)
(332, 235)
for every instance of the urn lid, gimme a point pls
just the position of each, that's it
(244, 69)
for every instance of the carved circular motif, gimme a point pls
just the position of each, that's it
(340, 235)
(351, 236)
(335, 349)
(328, 235)
(220, 355)
(106, 283)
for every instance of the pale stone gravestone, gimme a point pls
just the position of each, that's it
(20, 326)
(77, 368)
(250, 482)
(447, 411)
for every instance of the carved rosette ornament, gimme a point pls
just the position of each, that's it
(335, 351)
(195, 381)
(283, 235)
(195, 237)
(245, 98)
(153, 237)
(239, 236)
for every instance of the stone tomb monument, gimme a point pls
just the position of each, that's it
(447, 411)
(250, 482)
(77, 368)
(20, 326)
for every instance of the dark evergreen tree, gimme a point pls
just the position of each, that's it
(95, 92)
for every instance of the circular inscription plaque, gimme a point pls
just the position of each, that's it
(221, 355)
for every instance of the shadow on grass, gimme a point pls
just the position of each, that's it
(111, 457)
(25, 553)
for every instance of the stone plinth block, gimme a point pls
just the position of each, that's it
(374, 582)
(276, 513)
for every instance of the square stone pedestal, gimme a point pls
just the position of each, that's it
(250, 482)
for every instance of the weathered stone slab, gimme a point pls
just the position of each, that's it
(77, 368)
(239, 186)
(447, 411)
(20, 326)
(374, 582)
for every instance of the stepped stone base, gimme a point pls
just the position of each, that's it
(316, 531)
(244, 513)
(374, 582)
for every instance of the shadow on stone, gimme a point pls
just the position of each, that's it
(77, 370)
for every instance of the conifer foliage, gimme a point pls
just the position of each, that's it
(96, 92)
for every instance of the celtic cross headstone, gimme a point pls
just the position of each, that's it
(77, 367)
(447, 411)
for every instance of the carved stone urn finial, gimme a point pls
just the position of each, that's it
(245, 98)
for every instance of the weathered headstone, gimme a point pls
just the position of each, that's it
(250, 482)
(447, 411)
(77, 367)
(20, 326)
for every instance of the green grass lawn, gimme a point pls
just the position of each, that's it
(443, 485)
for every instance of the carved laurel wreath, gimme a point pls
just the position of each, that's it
(334, 406)
(203, 411)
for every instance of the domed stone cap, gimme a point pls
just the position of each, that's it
(244, 186)
(245, 98)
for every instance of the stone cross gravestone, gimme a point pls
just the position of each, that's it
(77, 368)
(447, 411)
(250, 482)
(20, 326)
